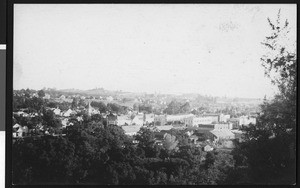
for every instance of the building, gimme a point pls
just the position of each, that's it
(224, 118)
(47, 96)
(215, 117)
(124, 120)
(62, 97)
(202, 120)
(112, 119)
(235, 123)
(185, 119)
(109, 99)
(160, 120)
(57, 111)
(91, 110)
(68, 113)
(20, 131)
(224, 134)
(138, 120)
(164, 127)
(206, 127)
(246, 120)
(208, 148)
(221, 126)
(131, 130)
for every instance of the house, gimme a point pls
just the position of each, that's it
(222, 134)
(186, 119)
(62, 97)
(47, 96)
(109, 99)
(224, 118)
(206, 127)
(149, 118)
(16, 126)
(124, 120)
(208, 148)
(64, 122)
(235, 122)
(137, 120)
(164, 127)
(160, 120)
(68, 113)
(20, 131)
(246, 120)
(193, 139)
(57, 111)
(223, 126)
(131, 130)
(34, 95)
(190, 133)
(112, 119)
(214, 117)
(202, 120)
(79, 118)
(238, 135)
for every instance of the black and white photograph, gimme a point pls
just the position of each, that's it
(154, 94)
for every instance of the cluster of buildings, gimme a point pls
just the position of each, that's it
(221, 127)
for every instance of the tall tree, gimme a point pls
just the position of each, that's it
(276, 124)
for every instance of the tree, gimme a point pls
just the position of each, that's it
(50, 120)
(276, 124)
(185, 108)
(173, 107)
(170, 142)
(100, 105)
(74, 103)
(41, 93)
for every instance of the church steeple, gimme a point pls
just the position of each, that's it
(89, 109)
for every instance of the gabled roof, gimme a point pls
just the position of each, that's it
(17, 125)
(112, 117)
(222, 133)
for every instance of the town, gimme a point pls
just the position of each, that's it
(219, 120)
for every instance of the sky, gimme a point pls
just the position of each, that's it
(208, 49)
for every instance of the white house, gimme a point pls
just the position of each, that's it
(131, 130)
(47, 96)
(227, 126)
(224, 118)
(64, 122)
(208, 148)
(202, 120)
(222, 134)
(57, 111)
(164, 127)
(246, 120)
(21, 131)
(109, 99)
(138, 120)
(62, 97)
(68, 113)
(123, 119)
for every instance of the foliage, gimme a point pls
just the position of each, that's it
(41, 93)
(100, 105)
(170, 142)
(268, 153)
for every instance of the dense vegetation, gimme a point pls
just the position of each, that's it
(268, 155)
(96, 154)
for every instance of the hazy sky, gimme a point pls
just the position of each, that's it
(207, 49)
